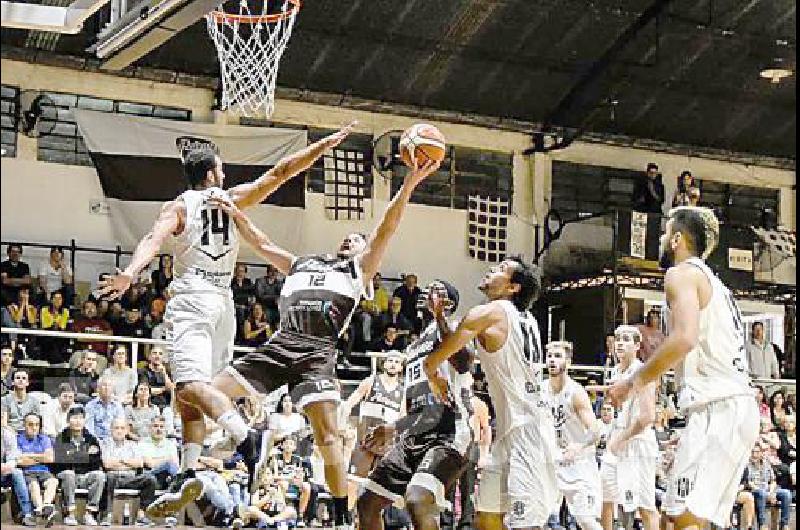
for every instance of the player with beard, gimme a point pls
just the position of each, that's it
(520, 480)
(382, 401)
(577, 432)
(317, 301)
(432, 450)
(706, 346)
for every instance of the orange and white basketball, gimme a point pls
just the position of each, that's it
(425, 141)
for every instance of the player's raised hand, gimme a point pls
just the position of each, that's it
(114, 286)
(338, 137)
(226, 206)
(420, 172)
(439, 388)
(435, 303)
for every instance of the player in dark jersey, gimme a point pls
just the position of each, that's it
(381, 398)
(317, 300)
(432, 450)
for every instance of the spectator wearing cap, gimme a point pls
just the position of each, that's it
(761, 358)
(78, 460)
(19, 402)
(101, 410)
(132, 325)
(36, 455)
(56, 275)
(54, 413)
(122, 461)
(409, 293)
(10, 474)
(14, 274)
(157, 376)
(83, 377)
(648, 191)
(6, 369)
(159, 453)
(123, 377)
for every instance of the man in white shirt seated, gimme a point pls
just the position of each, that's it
(54, 413)
(159, 453)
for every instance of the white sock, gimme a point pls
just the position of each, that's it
(190, 456)
(234, 424)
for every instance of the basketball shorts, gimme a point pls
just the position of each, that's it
(306, 364)
(579, 483)
(520, 479)
(200, 329)
(710, 458)
(431, 461)
(629, 479)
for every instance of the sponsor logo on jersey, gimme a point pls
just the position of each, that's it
(518, 509)
(684, 486)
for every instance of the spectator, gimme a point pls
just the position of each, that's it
(761, 400)
(268, 505)
(135, 297)
(104, 309)
(761, 482)
(89, 322)
(83, 378)
(14, 274)
(294, 475)
(162, 277)
(159, 453)
(285, 421)
(24, 313)
(155, 317)
(652, 336)
(395, 317)
(6, 369)
(694, 196)
(761, 356)
(661, 426)
(268, 290)
(141, 412)
(19, 403)
(409, 293)
(390, 341)
(156, 374)
(370, 312)
(243, 289)
(778, 408)
(159, 329)
(101, 410)
(256, 329)
(787, 452)
(10, 474)
(605, 357)
(648, 191)
(686, 183)
(595, 397)
(54, 413)
(54, 317)
(132, 325)
(123, 377)
(79, 461)
(36, 453)
(122, 460)
(746, 500)
(116, 314)
(56, 275)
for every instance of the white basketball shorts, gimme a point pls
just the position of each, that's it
(629, 479)
(579, 483)
(201, 327)
(710, 458)
(520, 479)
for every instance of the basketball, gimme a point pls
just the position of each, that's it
(425, 141)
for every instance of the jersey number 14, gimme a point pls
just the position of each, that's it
(215, 221)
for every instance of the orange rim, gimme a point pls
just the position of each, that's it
(221, 16)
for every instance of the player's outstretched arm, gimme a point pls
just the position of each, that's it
(583, 409)
(252, 193)
(357, 396)
(476, 321)
(168, 222)
(379, 239)
(280, 258)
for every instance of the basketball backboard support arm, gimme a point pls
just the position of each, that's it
(59, 19)
(146, 26)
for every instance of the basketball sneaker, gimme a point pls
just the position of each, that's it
(183, 489)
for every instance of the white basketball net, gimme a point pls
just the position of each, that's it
(249, 51)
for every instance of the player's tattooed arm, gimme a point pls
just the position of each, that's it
(169, 222)
(475, 322)
(682, 286)
(379, 239)
(252, 193)
(279, 257)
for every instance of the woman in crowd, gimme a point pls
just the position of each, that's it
(24, 313)
(256, 328)
(141, 412)
(787, 452)
(123, 376)
(54, 317)
(162, 277)
(268, 505)
(56, 275)
(761, 400)
(778, 408)
(285, 420)
(686, 186)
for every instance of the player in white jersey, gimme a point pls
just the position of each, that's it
(520, 481)
(628, 466)
(318, 299)
(200, 316)
(706, 345)
(577, 432)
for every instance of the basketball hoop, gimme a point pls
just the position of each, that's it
(250, 44)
